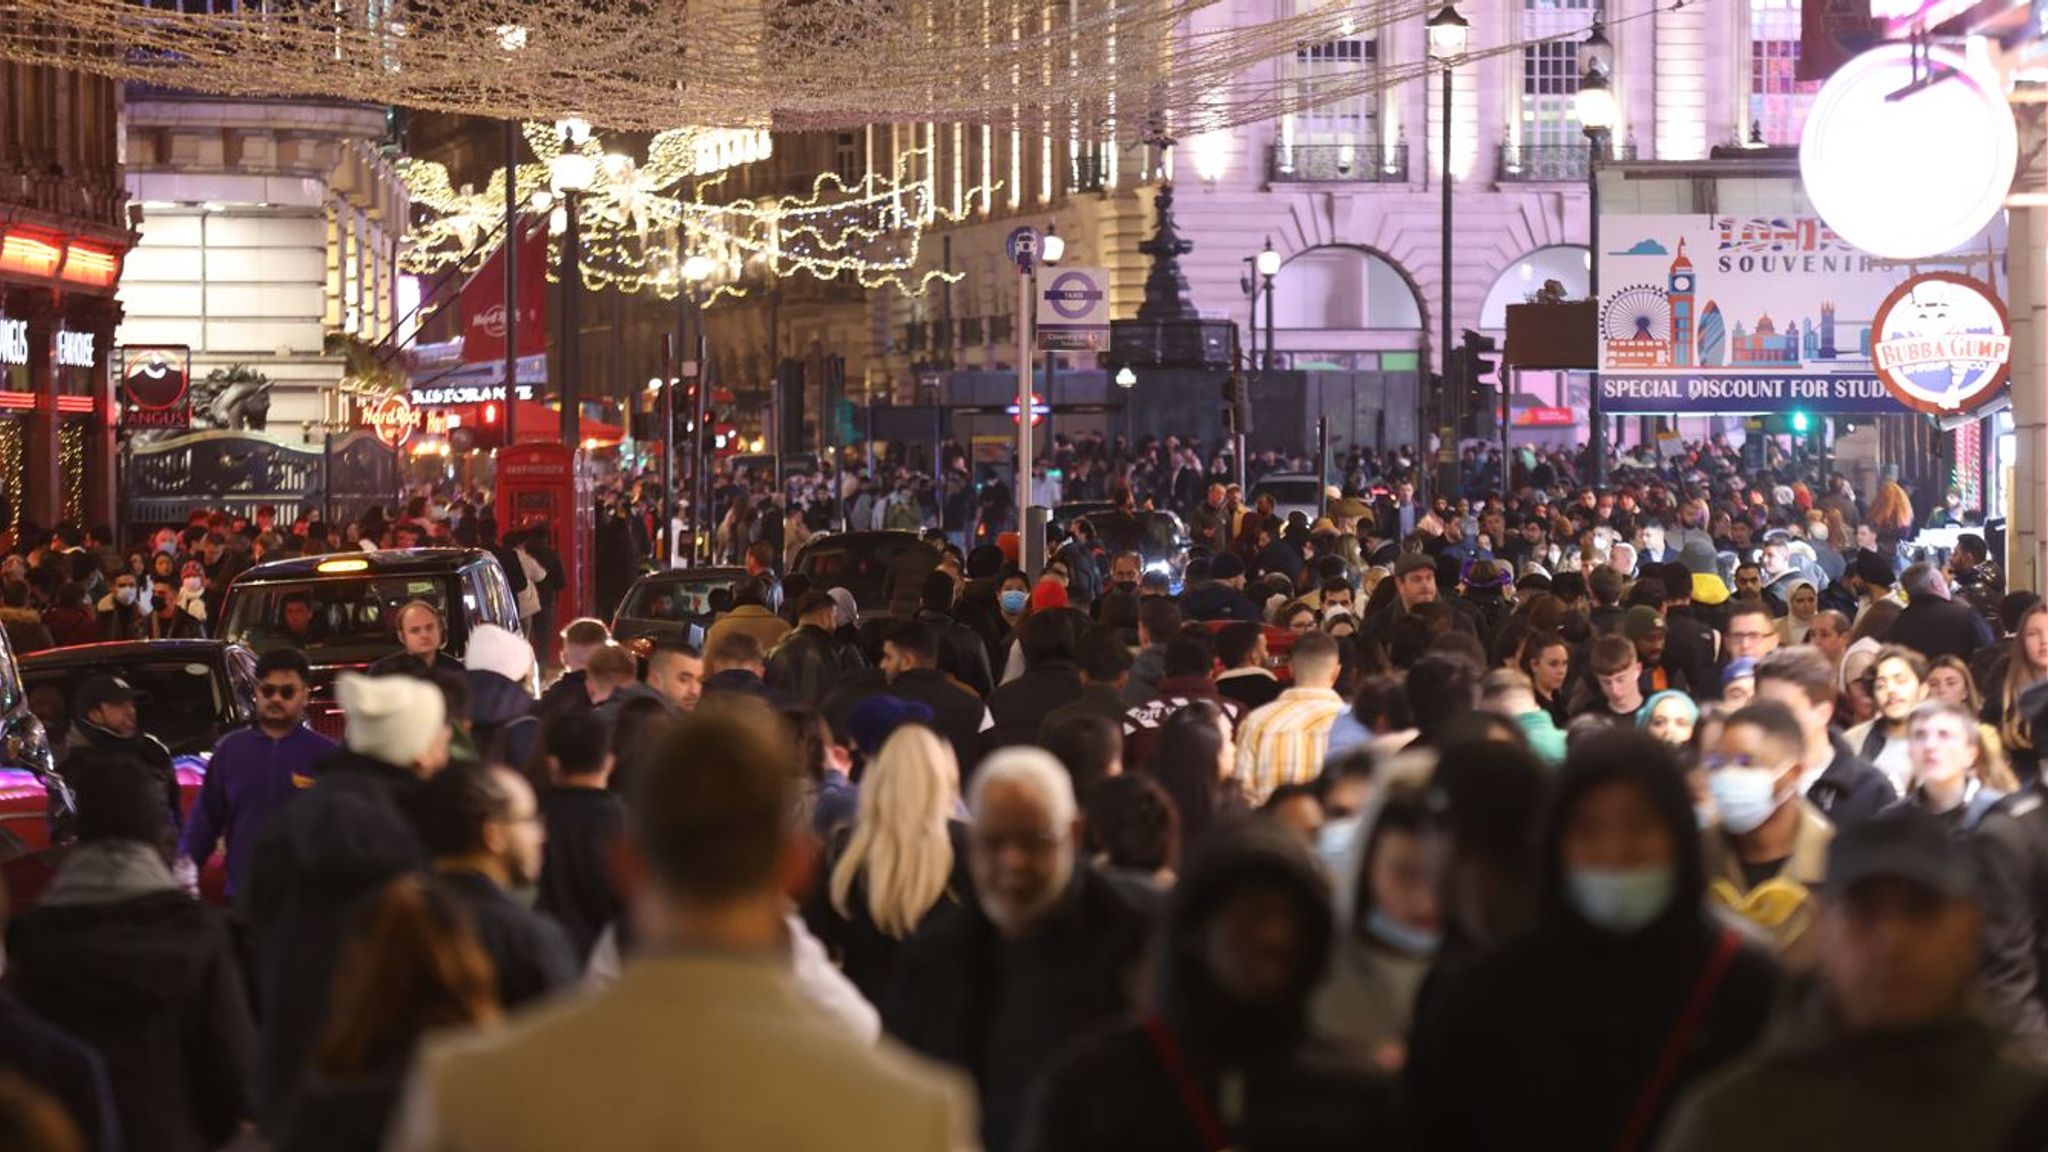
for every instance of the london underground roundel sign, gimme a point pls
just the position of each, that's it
(1907, 161)
(1941, 343)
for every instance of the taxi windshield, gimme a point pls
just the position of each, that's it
(335, 620)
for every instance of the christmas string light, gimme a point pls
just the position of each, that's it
(1129, 70)
(632, 224)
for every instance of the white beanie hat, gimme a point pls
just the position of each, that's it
(496, 649)
(391, 718)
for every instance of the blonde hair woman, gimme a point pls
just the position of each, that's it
(2025, 662)
(901, 865)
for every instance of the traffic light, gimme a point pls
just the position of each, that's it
(1788, 424)
(490, 426)
(1475, 365)
(1237, 409)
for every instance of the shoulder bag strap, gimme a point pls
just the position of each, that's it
(1676, 1044)
(1192, 1098)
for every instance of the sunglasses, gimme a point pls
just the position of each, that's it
(277, 691)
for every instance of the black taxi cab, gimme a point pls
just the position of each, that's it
(341, 609)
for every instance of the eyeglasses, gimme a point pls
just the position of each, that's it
(277, 691)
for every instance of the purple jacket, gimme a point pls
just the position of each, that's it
(250, 777)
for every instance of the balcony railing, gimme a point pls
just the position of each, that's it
(1549, 163)
(1337, 163)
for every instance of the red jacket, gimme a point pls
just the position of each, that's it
(72, 625)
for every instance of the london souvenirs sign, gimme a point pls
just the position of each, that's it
(1743, 315)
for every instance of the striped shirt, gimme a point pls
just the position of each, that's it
(1283, 743)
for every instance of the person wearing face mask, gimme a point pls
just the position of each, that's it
(192, 590)
(120, 610)
(1768, 849)
(1625, 991)
(1388, 926)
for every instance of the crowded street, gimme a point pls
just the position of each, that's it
(1119, 576)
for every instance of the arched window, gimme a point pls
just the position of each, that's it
(1344, 288)
(1564, 263)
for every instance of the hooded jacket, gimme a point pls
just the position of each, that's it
(120, 957)
(1367, 997)
(26, 631)
(1266, 1081)
(1547, 1043)
(328, 850)
(501, 718)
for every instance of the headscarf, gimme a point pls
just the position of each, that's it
(1649, 707)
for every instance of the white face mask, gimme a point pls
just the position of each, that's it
(194, 584)
(1623, 900)
(1745, 797)
(124, 595)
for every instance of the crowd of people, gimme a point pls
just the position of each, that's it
(1685, 814)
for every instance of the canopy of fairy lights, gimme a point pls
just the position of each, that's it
(1114, 69)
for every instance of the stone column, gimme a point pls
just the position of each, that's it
(2027, 302)
(42, 481)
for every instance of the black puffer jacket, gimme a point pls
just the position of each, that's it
(150, 982)
(1298, 1094)
(1546, 1044)
(333, 846)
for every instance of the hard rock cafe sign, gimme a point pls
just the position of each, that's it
(392, 418)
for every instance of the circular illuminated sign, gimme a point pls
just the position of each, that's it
(153, 380)
(1941, 343)
(392, 417)
(1909, 162)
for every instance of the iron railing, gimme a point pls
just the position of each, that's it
(1337, 163)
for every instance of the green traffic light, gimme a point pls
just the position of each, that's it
(1800, 422)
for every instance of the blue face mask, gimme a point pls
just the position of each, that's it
(1400, 937)
(1621, 900)
(1014, 602)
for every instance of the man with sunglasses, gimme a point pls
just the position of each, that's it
(255, 770)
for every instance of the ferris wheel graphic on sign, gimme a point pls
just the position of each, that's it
(1636, 327)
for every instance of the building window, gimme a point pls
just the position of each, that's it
(846, 160)
(1778, 101)
(1550, 81)
(1336, 134)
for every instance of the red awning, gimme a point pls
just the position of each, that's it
(537, 421)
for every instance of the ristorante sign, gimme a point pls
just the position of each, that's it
(1749, 315)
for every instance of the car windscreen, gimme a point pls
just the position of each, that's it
(337, 620)
(862, 568)
(1286, 491)
(672, 601)
(179, 703)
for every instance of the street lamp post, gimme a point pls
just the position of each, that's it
(1127, 380)
(571, 174)
(510, 247)
(695, 270)
(1597, 114)
(1448, 35)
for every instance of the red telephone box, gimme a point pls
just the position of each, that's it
(545, 485)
